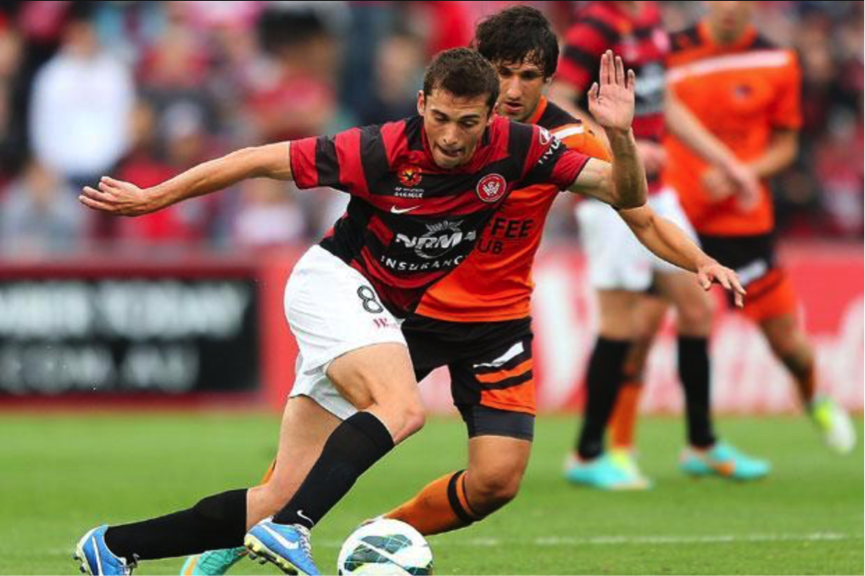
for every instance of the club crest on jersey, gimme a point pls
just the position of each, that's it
(410, 175)
(491, 188)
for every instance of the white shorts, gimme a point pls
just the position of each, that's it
(331, 310)
(617, 260)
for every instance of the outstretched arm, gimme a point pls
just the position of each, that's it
(126, 199)
(668, 242)
(623, 182)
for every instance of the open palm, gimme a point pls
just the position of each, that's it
(612, 102)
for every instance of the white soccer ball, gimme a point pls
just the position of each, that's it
(385, 547)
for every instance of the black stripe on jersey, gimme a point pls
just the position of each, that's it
(519, 144)
(373, 155)
(582, 58)
(349, 232)
(604, 28)
(326, 162)
(509, 382)
(414, 133)
(554, 117)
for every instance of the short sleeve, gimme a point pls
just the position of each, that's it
(787, 112)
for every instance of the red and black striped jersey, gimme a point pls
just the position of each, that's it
(641, 42)
(410, 222)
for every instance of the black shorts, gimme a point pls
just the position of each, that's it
(770, 291)
(491, 369)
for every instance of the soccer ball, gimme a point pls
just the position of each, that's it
(385, 546)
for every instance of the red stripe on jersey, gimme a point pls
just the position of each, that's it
(587, 39)
(568, 169)
(395, 140)
(302, 157)
(380, 229)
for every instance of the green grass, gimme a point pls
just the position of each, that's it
(62, 474)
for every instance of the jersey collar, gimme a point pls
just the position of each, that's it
(539, 111)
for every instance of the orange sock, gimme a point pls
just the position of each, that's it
(440, 507)
(624, 419)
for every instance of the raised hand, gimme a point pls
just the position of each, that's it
(612, 102)
(118, 198)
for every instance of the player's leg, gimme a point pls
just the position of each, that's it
(606, 368)
(215, 522)
(774, 311)
(457, 499)
(218, 562)
(351, 348)
(305, 428)
(618, 271)
(495, 393)
(694, 312)
(650, 315)
(772, 305)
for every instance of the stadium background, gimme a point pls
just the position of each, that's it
(182, 310)
(143, 90)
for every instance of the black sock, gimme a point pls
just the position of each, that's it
(355, 445)
(216, 522)
(695, 374)
(603, 380)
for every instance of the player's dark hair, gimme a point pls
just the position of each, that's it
(464, 73)
(516, 35)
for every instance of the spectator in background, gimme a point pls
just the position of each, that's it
(399, 60)
(81, 101)
(186, 143)
(297, 98)
(39, 215)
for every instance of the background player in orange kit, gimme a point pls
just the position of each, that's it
(626, 277)
(747, 93)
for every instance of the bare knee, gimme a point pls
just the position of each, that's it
(489, 490)
(414, 417)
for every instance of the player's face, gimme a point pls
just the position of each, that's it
(730, 19)
(453, 126)
(520, 89)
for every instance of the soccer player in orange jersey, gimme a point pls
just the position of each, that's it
(746, 91)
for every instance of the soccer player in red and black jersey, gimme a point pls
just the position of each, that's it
(631, 284)
(476, 321)
(355, 395)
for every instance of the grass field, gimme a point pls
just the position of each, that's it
(62, 474)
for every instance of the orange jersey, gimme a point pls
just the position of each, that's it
(494, 283)
(741, 93)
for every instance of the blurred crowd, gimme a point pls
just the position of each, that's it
(143, 90)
